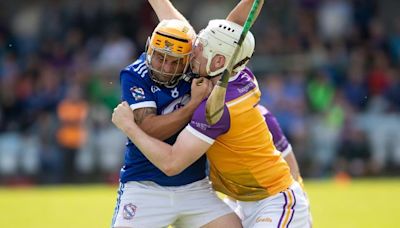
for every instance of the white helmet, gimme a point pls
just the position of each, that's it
(221, 37)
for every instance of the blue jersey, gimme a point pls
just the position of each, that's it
(140, 91)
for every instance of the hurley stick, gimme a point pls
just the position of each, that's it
(216, 100)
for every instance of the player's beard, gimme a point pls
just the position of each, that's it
(161, 76)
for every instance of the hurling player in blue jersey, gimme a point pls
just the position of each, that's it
(162, 102)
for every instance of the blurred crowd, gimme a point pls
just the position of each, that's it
(328, 69)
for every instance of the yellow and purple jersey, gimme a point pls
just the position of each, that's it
(244, 163)
(280, 141)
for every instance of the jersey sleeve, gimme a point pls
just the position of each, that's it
(280, 141)
(199, 127)
(135, 91)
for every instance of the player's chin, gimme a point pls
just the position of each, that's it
(194, 65)
(162, 77)
(195, 70)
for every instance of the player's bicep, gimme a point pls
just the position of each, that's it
(189, 148)
(141, 114)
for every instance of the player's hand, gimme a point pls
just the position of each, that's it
(122, 115)
(201, 89)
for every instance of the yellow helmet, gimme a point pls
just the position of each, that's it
(171, 40)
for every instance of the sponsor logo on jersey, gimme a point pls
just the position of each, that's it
(137, 93)
(263, 219)
(129, 211)
(248, 86)
(199, 125)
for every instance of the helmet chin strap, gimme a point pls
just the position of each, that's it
(192, 74)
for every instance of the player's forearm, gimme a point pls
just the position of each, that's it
(165, 10)
(158, 152)
(241, 11)
(164, 126)
(294, 167)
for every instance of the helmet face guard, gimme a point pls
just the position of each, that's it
(221, 37)
(169, 48)
(158, 74)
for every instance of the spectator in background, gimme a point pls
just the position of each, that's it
(26, 28)
(377, 40)
(364, 11)
(377, 78)
(325, 128)
(71, 135)
(395, 42)
(51, 160)
(384, 135)
(325, 122)
(381, 122)
(392, 93)
(335, 19)
(353, 154)
(296, 109)
(116, 52)
(101, 156)
(9, 153)
(271, 86)
(320, 92)
(355, 88)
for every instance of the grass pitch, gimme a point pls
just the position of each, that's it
(345, 204)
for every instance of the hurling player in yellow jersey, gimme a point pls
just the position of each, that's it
(244, 163)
